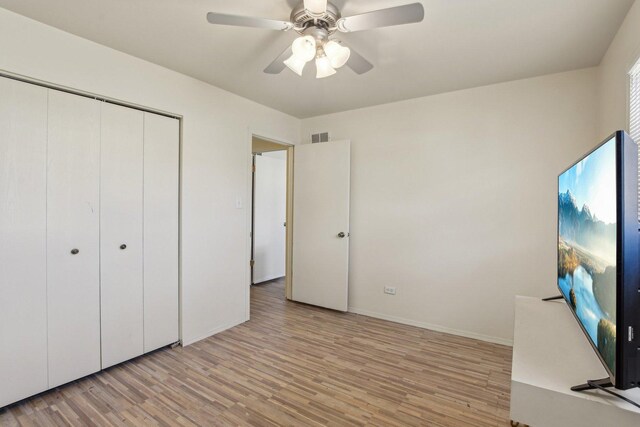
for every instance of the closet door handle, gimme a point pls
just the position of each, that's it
(123, 247)
(74, 251)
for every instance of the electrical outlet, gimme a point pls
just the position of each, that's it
(390, 290)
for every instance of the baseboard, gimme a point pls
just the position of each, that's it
(187, 342)
(432, 327)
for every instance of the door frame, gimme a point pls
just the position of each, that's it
(289, 147)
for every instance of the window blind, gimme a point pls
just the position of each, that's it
(634, 114)
(634, 103)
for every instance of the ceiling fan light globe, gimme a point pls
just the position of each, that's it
(324, 68)
(295, 64)
(338, 55)
(304, 48)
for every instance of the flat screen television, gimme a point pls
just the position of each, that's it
(599, 257)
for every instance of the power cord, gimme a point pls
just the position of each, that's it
(619, 396)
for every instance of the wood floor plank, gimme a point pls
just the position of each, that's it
(292, 365)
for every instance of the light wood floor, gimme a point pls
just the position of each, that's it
(292, 365)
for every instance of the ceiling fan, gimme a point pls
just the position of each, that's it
(317, 21)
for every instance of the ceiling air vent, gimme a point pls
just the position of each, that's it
(319, 137)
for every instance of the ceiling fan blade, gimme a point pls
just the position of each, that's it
(277, 65)
(316, 7)
(247, 21)
(358, 64)
(399, 15)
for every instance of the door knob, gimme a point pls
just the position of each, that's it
(123, 247)
(74, 251)
(341, 235)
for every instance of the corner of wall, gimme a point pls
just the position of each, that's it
(613, 83)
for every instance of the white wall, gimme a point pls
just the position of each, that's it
(614, 75)
(454, 199)
(215, 155)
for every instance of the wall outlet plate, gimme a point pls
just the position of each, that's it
(390, 290)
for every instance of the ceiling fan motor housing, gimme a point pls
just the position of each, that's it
(321, 35)
(304, 20)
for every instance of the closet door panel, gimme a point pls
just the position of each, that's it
(161, 165)
(73, 237)
(121, 213)
(23, 293)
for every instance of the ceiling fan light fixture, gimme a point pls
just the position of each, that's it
(323, 67)
(304, 48)
(338, 55)
(316, 7)
(320, 19)
(295, 64)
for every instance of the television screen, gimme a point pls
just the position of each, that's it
(587, 246)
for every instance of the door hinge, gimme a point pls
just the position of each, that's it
(252, 263)
(253, 168)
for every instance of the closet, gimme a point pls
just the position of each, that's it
(88, 236)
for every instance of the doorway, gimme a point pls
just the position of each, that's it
(271, 213)
(318, 233)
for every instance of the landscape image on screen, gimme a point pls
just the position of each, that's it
(587, 246)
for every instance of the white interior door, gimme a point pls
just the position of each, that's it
(270, 212)
(161, 166)
(121, 268)
(321, 224)
(73, 237)
(23, 283)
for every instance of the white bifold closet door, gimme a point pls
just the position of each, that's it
(121, 251)
(89, 205)
(73, 236)
(23, 292)
(161, 181)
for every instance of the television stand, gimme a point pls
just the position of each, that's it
(550, 355)
(605, 382)
(557, 297)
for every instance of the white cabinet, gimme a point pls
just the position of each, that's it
(73, 236)
(161, 157)
(121, 192)
(23, 293)
(89, 204)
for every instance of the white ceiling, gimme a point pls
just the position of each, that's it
(460, 44)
